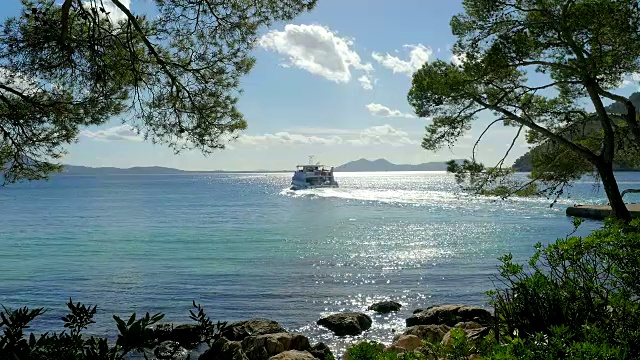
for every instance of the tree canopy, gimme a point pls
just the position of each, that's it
(545, 67)
(174, 77)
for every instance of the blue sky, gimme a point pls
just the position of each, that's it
(331, 83)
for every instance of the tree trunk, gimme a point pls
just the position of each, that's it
(619, 209)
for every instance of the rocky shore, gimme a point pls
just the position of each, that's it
(263, 339)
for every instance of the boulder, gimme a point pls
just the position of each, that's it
(385, 307)
(429, 333)
(450, 315)
(186, 334)
(346, 323)
(170, 350)
(293, 355)
(472, 335)
(261, 347)
(468, 325)
(405, 343)
(224, 349)
(257, 347)
(239, 330)
(320, 351)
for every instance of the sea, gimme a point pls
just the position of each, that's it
(244, 246)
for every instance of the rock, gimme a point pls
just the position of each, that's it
(472, 335)
(417, 311)
(406, 343)
(170, 350)
(320, 351)
(293, 355)
(346, 323)
(477, 334)
(394, 348)
(385, 307)
(239, 330)
(224, 349)
(261, 347)
(450, 315)
(429, 333)
(468, 325)
(186, 334)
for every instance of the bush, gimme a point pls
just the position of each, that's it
(577, 298)
(375, 351)
(134, 335)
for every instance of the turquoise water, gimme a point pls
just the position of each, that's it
(243, 246)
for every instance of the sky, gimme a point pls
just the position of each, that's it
(331, 83)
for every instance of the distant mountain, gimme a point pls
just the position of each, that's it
(85, 170)
(353, 166)
(142, 170)
(385, 165)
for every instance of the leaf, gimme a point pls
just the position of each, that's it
(131, 319)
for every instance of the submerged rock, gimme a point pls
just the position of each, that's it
(385, 307)
(450, 315)
(346, 323)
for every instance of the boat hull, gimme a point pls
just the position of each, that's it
(307, 187)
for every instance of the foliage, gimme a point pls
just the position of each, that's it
(375, 351)
(134, 335)
(209, 331)
(174, 77)
(459, 347)
(532, 64)
(575, 298)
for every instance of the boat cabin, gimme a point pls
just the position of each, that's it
(315, 170)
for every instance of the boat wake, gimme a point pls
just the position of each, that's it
(412, 197)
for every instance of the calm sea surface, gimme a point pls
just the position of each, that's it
(243, 246)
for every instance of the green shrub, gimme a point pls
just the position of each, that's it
(134, 335)
(375, 351)
(576, 298)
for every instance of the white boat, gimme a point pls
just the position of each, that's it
(313, 176)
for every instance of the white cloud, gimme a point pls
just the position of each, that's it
(375, 135)
(286, 138)
(322, 131)
(383, 134)
(383, 111)
(631, 79)
(120, 132)
(318, 50)
(112, 12)
(365, 82)
(418, 56)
